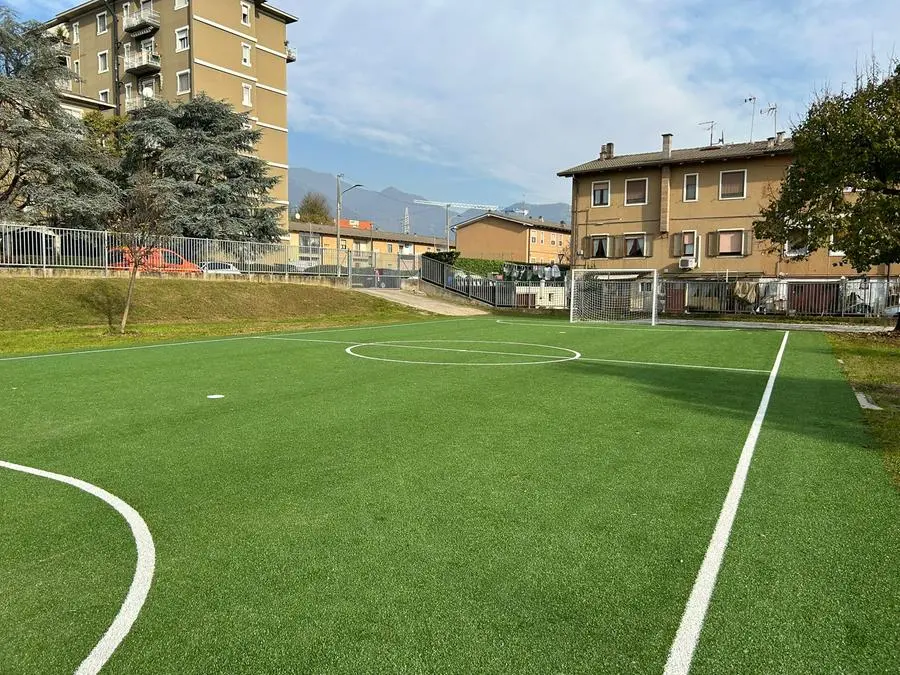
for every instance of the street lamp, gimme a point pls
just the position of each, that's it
(337, 220)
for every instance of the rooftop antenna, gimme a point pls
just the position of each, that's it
(709, 127)
(752, 101)
(773, 111)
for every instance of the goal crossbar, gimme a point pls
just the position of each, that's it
(614, 295)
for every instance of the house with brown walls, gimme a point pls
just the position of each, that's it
(504, 236)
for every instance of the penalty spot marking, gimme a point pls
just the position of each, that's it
(143, 572)
(682, 650)
(563, 354)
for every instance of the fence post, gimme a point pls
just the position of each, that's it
(349, 268)
(106, 253)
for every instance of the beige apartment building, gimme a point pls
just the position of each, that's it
(125, 53)
(688, 212)
(513, 238)
(360, 242)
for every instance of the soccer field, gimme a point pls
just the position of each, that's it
(472, 495)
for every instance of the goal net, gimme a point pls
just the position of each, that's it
(614, 295)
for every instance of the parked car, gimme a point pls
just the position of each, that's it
(892, 311)
(156, 260)
(213, 267)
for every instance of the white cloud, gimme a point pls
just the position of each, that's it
(519, 90)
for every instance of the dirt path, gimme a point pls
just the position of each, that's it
(423, 302)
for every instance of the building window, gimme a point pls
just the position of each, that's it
(731, 242)
(76, 67)
(689, 244)
(690, 187)
(733, 184)
(129, 92)
(245, 13)
(183, 80)
(76, 33)
(600, 247)
(182, 39)
(104, 95)
(600, 190)
(635, 245)
(103, 62)
(102, 23)
(247, 97)
(542, 238)
(181, 4)
(390, 248)
(553, 242)
(533, 239)
(797, 246)
(245, 54)
(832, 251)
(636, 192)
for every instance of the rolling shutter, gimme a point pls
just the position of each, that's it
(676, 244)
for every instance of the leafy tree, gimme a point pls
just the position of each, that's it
(203, 148)
(314, 209)
(105, 132)
(843, 189)
(142, 226)
(48, 172)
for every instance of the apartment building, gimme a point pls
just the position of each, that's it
(688, 212)
(363, 240)
(125, 53)
(504, 236)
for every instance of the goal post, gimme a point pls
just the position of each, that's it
(614, 295)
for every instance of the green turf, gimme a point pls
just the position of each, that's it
(346, 515)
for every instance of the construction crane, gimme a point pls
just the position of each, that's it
(455, 205)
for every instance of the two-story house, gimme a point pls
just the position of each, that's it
(688, 212)
(125, 53)
(505, 236)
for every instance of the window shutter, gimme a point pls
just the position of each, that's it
(586, 249)
(676, 242)
(648, 246)
(617, 246)
(747, 244)
(712, 243)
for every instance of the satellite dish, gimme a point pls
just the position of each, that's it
(147, 92)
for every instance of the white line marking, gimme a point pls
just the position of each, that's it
(227, 339)
(866, 402)
(681, 652)
(677, 365)
(648, 328)
(573, 355)
(143, 572)
(293, 339)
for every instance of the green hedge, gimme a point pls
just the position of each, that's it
(447, 257)
(483, 268)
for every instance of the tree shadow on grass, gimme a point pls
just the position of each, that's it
(104, 300)
(820, 408)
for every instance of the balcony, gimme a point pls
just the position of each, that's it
(142, 23)
(143, 63)
(136, 102)
(291, 53)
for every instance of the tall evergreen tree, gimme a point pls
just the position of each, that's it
(204, 149)
(48, 171)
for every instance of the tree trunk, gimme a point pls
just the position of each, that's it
(131, 280)
(897, 327)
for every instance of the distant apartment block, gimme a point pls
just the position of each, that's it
(125, 53)
(688, 212)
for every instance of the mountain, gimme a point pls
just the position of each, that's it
(386, 208)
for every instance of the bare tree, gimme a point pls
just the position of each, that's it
(143, 225)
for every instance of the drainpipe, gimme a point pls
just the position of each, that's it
(111, 8)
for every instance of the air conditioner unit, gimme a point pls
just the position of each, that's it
(687, 263)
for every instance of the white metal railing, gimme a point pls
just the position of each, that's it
(141, 16)
(291, 53)
(143, 58)
(134, 103)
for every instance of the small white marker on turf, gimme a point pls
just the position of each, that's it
(216, 396)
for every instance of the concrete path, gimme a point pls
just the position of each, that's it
(423, 302)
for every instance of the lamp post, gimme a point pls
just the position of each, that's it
(337, 220)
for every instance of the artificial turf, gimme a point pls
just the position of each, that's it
(347, 515)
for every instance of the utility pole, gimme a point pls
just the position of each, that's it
(455, 205)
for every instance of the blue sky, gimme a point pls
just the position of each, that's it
(476, 101)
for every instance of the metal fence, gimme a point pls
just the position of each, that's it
(49, 248)
(859, 297)
(496, 292)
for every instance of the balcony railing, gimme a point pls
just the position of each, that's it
(291, 53)
(134, 103)
(142, 19)
(143, 62)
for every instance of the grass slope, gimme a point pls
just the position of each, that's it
(52, 314)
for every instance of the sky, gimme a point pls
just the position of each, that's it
(486, 100)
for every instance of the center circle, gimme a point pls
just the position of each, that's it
(456, 348)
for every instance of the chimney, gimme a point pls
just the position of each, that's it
(541, 218)
(770, 142)
(779, 138)
(667, 145)
(610, 150)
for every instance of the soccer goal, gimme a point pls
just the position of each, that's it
(614, 295)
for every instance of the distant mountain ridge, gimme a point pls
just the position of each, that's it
(386, 208)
